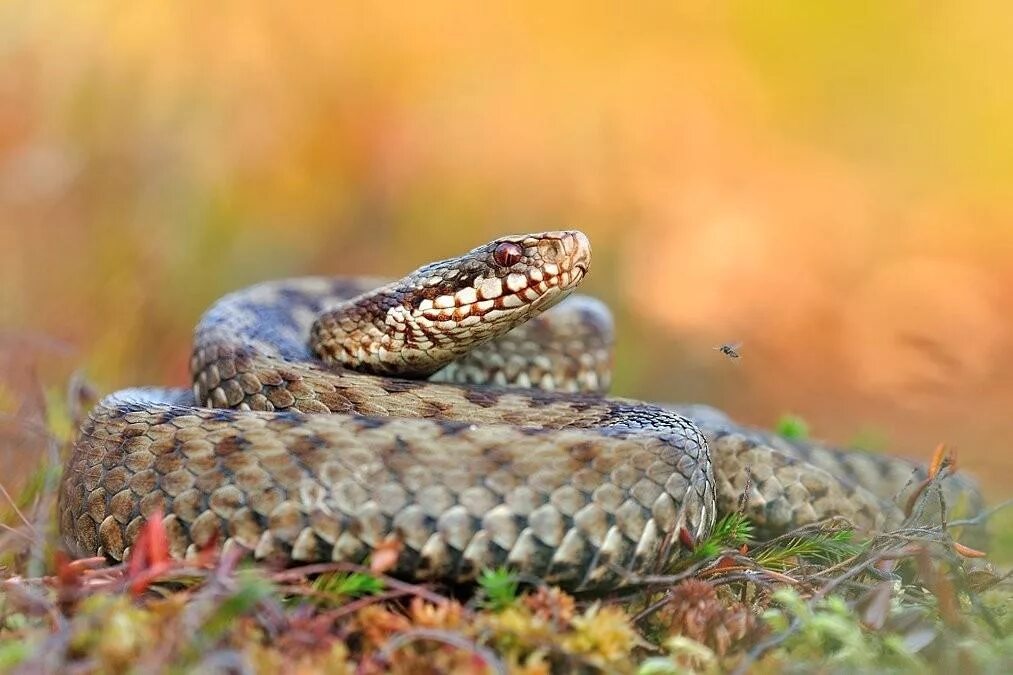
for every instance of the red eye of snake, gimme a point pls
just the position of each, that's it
(507, 254)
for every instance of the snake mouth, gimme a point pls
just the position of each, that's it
(581, 252)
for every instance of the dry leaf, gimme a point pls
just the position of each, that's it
(967, 551)
(385, 555)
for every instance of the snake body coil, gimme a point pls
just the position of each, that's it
(284, 449)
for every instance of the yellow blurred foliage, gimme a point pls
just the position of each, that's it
(828, 182)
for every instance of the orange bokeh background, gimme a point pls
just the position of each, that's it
(828, 183)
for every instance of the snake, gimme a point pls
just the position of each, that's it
(457, 418)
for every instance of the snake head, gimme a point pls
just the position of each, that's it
(510, 277)
(418, 324)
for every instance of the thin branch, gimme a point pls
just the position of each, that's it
(14, 505)
(18, 532)
(446, 637)
(298, 573)
(359, 603)
(984, 515)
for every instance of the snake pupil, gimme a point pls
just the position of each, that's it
(507, 254)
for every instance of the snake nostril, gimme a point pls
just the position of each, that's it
(554, 252)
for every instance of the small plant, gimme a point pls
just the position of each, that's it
(829, 632)
(792, 427)
(499, 587)
(822, 547)
(343, 585)
(732, 531)
(251, 589)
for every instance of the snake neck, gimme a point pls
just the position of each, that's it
(383, 335)
(376, 333)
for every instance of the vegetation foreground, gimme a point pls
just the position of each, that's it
(815, 599)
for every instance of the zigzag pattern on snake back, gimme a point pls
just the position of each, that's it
(304, 439)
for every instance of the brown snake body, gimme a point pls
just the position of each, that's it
(297, 457)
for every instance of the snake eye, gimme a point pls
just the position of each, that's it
(507, 254)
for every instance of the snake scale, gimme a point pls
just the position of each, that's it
(446, 413)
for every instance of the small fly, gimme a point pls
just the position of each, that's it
(730, 350)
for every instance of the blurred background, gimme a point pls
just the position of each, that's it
(829, 183)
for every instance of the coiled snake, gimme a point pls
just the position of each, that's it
(311, 434)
